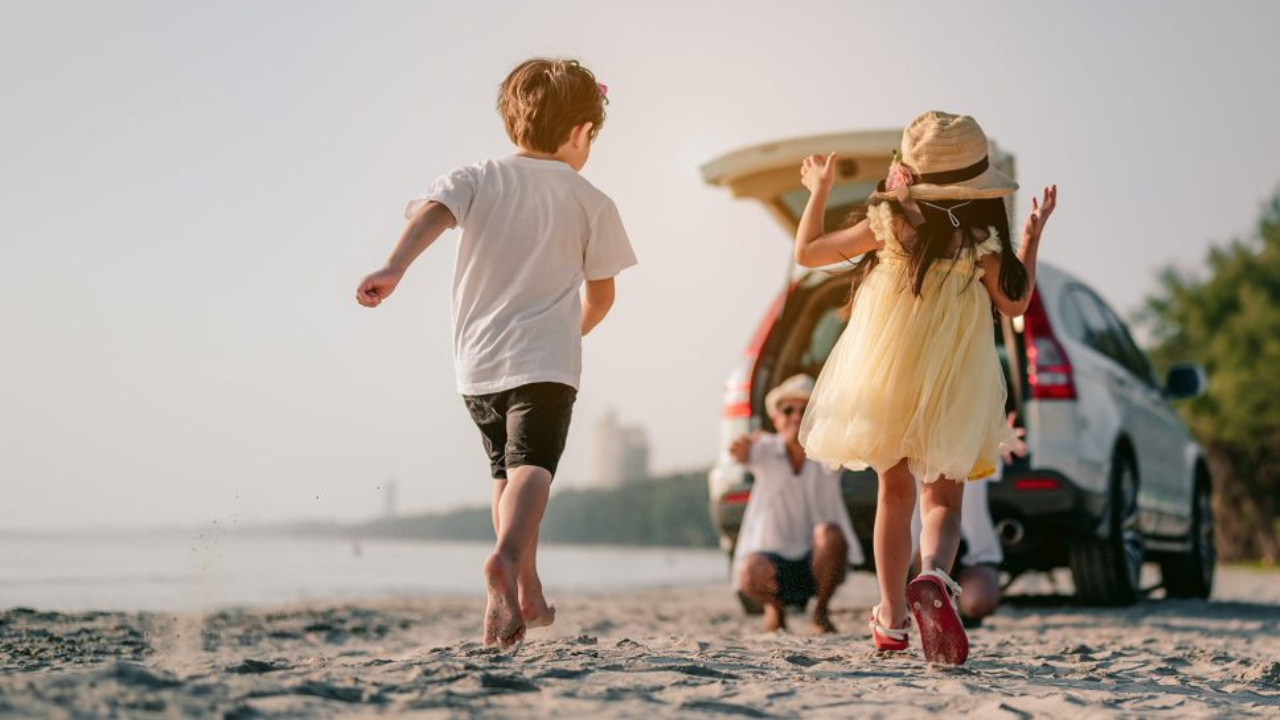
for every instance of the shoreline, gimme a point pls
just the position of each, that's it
(648, 653)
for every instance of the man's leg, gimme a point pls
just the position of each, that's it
(894, 505)
(981, 591)
(830, 563)
(520, 507)
(759, 581)
(940, 524)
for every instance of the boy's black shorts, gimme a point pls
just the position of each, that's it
(526, 425)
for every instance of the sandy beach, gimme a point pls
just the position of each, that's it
(655, 653)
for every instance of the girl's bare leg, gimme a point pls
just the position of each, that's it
(896, 501)
(940, 524)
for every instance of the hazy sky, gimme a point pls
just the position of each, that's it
(189, 193)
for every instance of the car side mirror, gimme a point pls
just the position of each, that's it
(1185, 381)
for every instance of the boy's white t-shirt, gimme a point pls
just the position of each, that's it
(532, 231)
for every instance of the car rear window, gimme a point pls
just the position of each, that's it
(844, 199)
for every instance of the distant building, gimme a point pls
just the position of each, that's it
(622, 453)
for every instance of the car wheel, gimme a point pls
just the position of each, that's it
(1191, 575)
(1107, 571)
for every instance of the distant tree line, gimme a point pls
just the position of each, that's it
(1226, 316)
(669, 511)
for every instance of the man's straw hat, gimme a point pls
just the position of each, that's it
(796, 387)
(947, 157)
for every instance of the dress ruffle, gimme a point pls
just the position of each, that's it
(913, 377)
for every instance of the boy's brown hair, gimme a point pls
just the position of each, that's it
(542, 100)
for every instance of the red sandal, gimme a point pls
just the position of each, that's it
(888, 639)
(931, 597)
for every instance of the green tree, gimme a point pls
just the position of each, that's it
(1227, 317)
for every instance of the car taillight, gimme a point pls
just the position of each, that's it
(1035, 484)
(1048, 369)
(737, 397)
(736, 498)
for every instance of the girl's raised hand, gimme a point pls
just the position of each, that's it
(818, 173)
(1040, 213)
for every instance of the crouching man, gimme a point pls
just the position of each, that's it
(796, 541)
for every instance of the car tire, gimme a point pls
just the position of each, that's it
(1190, 575)
(1107, 571)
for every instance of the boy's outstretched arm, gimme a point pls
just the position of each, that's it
(597, 298)
(428, 224)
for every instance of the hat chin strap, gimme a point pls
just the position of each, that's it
(955, 221)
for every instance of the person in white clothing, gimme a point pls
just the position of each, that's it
(534, 234)
(796, 541)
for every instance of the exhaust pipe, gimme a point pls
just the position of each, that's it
(1011, 532)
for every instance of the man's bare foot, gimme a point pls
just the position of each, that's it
(537, 613)
(503, 625)
(775, 618)
(821, 622)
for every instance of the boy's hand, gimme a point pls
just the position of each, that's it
(818, 173)
(740, 449)
(1040, 213)
(377, 286)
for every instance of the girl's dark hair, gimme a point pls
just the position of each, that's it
(861, 267)
(935, 240)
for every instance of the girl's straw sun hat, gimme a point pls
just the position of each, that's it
(944, 157)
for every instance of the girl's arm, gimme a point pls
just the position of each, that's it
(814, 246)
(1040, 212)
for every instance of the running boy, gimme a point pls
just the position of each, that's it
(533, 231)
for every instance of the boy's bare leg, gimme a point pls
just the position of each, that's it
(940, 524)
(520, 507)
(759, 581)
(829, 564)
(533, 605)
(894, 505)
(499, 484)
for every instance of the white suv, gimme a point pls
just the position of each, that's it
(1111, 479)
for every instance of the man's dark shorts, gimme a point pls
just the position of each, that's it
(795, 578)
(526, 425)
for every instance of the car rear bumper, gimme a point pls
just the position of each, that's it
(1038, 513)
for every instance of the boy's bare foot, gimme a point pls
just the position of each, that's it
(775, 618)
(503, 624)
(537, 613)
(821, 622)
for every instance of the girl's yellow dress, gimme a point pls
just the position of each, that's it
(913, 377)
